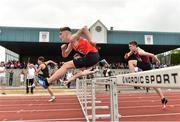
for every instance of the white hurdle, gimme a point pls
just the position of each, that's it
(83, 93)
(162, 78)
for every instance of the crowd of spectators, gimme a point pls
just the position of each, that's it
(13, 64)
(118, 65)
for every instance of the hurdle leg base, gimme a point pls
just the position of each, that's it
(103, 116)
(99, 107)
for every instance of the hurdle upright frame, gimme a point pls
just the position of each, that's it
(81, 86)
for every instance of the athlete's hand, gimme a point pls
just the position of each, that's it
(31, 65)
(55, 64)
(126, 56)
(85, 27)
(64, 47)
(93, 43)
(158, 63)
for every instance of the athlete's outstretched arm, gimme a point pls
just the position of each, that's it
(84, 30)
(35, 68)
(38, 70)
(142, 52)
(77, 35)
(50, 62)
(31, 65)
(88, 34)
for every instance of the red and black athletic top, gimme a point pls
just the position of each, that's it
(83, 46)
(143, 58)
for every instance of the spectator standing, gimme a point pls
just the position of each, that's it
(30, 78)
(22, 78)
(2, 77)
(11, 74)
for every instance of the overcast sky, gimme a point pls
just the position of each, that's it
(140, 15)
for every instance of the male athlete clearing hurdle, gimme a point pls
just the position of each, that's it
(139, 58)
(84, 72)
(79, 44)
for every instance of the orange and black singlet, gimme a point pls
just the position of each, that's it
(83, 46)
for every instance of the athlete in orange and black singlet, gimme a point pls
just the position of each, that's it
(82, 45)
(91, 55)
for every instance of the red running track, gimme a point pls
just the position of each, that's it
(132, 107)
(37, 108)
(145, 107)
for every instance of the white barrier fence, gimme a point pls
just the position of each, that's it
(161, 78)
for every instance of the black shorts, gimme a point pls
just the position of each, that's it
(87, 61)
(144, 66)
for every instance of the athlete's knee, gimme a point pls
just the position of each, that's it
(81, 73)
(157, 89)
(67, 65)
(132, 62)
(85, 72)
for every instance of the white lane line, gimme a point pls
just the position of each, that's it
(151, 115)
(143, 96)
(67, 102)
(141, 100)
(41, 120)
(34, 104)
(35, 95)
(47, 110)
(120, 97)
(147, 96)
(37, 99)
(138, 98)
(147, 100)
(130, 107)
(57, 104)
(150, 106)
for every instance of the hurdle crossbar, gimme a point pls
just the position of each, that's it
(162, 78)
